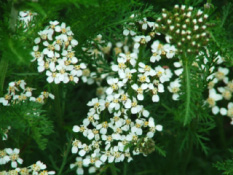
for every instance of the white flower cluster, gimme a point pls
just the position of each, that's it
(54, 53)
(220, 88)
(18, 92)
(117, 125)
(38, 168)
(26, 17)
(113, 140)
(119, 137)
(10, 155)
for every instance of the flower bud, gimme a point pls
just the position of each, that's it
(176, 6)
(184, 26)
(183, 7)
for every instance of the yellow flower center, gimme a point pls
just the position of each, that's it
(121, 65)
(51, 47)
(2, 153)
(7, 97)
(70, 54)
(37, 54)
(86, 72)
(127, 121)
(134, 104)
(76, 143)
(142, 78)
(105, 124)
(219, 75)
(211, 101)
(230, 112)
(109, 138)
(227, 95)
(175, 89)
(140, 91)
(114, 86)
(63, 30)
(124, 97)
(147, 68)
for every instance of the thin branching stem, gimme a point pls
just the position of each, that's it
(64, 159)
(187, 91)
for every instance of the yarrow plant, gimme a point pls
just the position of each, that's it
(152, 81)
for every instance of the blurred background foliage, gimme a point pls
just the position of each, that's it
(201, 147)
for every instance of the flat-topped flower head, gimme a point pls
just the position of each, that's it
(19, 92)
(54, 54)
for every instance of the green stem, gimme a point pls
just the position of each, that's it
(113, 169)
(57, 104)
(188, 156)
(4, 61)
(187, 91)
(3, 68)
(125, 168)
(65, 158)
(221, 132)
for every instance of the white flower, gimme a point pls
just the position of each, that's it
(120, 67)
(115, 84)
(139, 90)
(53, 77)
(170, 50)
(228, 111)
(230, 85)
(102, 127)
(130, 58)
(146, 69)
(116, 121)
(127, 75)
(227, 94)
(157, 49)
(140, 40)
(135, 108)
(99, 105)
(126, 32)
(14, 157)
(26, 17)
(143, 78)
(221, 74)
(163, 74)
(4, 158)
(5, 100)
(36, 53)
(125, 100)
(85, 148)
(79, 164)
(155, 96)
(174, 88)
(63, 29)
(213, 97)
(75, 146)
(38, 166)
(137, 128)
